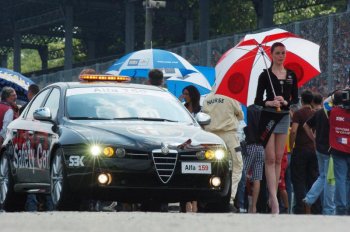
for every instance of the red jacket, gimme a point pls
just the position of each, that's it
(4, 107)
(339, 132)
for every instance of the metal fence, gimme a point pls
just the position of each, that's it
(331, 32)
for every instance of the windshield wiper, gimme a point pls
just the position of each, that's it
(89, 118)
(146, 119)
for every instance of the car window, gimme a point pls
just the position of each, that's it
(123, 103)
(53, 101)
(37, 102)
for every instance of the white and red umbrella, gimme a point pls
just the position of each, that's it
(238, 70)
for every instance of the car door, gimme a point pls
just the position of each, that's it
(45, 137)
(24, 142)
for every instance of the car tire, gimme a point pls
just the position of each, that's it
(9, 200)
(61, 195)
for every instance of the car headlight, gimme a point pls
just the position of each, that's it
(120, 152)
(200, 155)
(95, 150)
(209, 154)
(108, 151)
(219, 154)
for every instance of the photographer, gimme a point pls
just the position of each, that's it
(339, 139)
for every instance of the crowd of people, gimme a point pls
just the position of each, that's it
(287, 157)
(318, 188)
(286, 149)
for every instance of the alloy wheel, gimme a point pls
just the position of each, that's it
(4, 178)
(56, 178)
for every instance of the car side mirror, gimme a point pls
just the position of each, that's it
(203, 118)
(43, 114)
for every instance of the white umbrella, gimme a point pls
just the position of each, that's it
(138, 64)
(176, 84)
(238, 69)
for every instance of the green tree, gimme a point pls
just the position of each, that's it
(30, 60)
(294, 10)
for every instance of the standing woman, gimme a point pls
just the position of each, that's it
(191, 96)
(281, 89)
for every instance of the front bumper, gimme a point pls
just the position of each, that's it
(138, 180)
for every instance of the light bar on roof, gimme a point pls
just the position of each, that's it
(90, 77)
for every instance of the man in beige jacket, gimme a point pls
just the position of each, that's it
(225, 115)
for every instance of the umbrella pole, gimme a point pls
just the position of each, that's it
(268, 73)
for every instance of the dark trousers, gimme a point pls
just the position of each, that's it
(304, 171)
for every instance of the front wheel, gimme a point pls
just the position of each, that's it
(61, 195)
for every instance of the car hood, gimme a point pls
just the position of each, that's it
(143, 135)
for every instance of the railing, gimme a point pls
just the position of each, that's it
(331, 32)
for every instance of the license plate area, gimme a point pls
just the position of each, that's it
(195, 168)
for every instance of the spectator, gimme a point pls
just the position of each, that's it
(317, 101)
(225, 115)
(7, 112)
(155, 77)
(320, 124)
(303, 163)
(254, 158)
(339, 122)
(191, 96)
(87, 71)
(33, 89)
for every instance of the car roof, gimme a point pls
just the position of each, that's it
(69, 85)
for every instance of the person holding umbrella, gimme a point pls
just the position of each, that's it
(280, 85)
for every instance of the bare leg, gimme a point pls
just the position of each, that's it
(255, 195)
(188, 206)
(280, 144)
(270, 173)
(194, 207)
(284, 197)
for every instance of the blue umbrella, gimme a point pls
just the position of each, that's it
(138, 64)
(17, 81)
(175, 85)
(208, 72)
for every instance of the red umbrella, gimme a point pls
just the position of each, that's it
(238, 70)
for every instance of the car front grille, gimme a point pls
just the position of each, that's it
(188, 156)
(164, 164)
(137, 155)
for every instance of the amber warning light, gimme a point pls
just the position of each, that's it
(89, 77)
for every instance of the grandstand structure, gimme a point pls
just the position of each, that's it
(107, 29)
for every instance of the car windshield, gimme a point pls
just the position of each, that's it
(116, 103)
